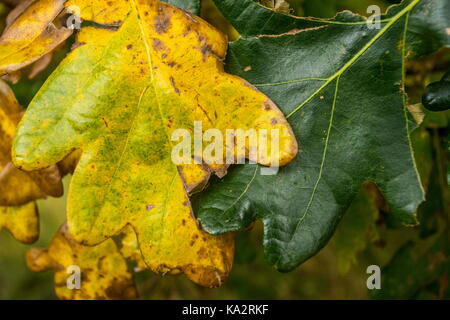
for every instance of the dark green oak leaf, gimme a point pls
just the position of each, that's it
(437, 95)
(340, 83)
(192, 6)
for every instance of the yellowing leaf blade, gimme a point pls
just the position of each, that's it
(103, 270)
(21, 221)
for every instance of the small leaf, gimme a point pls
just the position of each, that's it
(21, 221)
(20, 7)
(104, 272)
(32, 35)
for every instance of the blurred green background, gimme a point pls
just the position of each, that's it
(415, 261)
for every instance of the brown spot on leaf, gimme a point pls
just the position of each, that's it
(162, 21)
(158, 45)
(187, 31)
(206, 50)
(172, 82)
(268, 105)
(202, 252)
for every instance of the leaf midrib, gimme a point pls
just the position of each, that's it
(147, 48)
(150, 62)
(320, 20)
(358, 55)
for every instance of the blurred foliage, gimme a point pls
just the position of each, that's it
(16, 281)
(357, 230)
(415, 261)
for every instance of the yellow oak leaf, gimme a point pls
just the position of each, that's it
(119, 96)
(20, 7)
(103, 271)
(31, 35)
(21, 221)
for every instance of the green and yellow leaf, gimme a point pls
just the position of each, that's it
(21, 221)
(125, 92)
